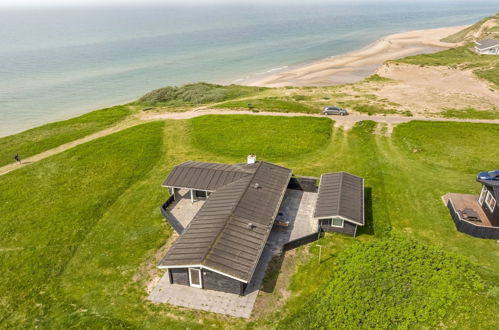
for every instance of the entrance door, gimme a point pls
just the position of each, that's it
(195, 277)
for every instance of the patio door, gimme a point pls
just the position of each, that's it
(195, 277)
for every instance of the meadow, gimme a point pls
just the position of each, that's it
(81, 232)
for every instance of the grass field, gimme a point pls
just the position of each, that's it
(269, 104)
(81, 231)
(49, 136)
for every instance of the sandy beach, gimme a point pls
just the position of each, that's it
(359, 64)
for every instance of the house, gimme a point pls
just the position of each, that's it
(476, 215)
(487, 47)
(340, 204)
(220, 247)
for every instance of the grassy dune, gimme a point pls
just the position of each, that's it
(80, 234)
(42, 138)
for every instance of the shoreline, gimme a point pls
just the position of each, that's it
(356, 65)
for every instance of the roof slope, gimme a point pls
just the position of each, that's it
(220, 236)
(487, 43)
(206, 176)
(341, 194)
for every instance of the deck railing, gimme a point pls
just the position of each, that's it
(469, 228)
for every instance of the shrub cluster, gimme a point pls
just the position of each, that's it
(391, 283)
(198, 93)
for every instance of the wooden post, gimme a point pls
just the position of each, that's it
(320, 251)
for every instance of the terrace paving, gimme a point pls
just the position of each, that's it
(297, 208)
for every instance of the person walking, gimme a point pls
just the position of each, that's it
(17, 158)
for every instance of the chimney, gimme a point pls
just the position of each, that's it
(251, 159)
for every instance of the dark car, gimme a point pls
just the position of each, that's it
(490, 175)
(334, 111)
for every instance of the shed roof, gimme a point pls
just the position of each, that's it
(341, 194)
(487, 43)
(220, 236)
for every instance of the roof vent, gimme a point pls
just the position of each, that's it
(256, 186)
(251, 159)
(250, 225)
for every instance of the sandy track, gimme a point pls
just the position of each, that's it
(357, 65)
(340, 121)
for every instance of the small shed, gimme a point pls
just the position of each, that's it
(487, 47)
(340, 204)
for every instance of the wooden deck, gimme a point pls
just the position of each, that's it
(462, 201)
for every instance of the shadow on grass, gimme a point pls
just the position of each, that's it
(272, 274)
(368, 227)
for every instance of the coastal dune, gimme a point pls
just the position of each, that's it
(357, 65)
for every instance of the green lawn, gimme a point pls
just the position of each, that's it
(269, 104)
(80, 231)
(42, 138)
(272, 138)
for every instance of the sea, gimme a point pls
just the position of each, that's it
(56, 63)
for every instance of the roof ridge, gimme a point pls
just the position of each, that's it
(341, 189)
(231, 214)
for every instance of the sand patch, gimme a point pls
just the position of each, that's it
(432, 89)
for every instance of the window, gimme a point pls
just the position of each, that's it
(337, 222)
(482, 195)
(333, 222)
(490, 201)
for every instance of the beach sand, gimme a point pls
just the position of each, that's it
(357, 65)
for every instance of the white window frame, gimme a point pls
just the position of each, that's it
(342, 222)
(490, 201)
(200, 285)
(483, 193)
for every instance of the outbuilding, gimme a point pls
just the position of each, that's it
(340, 204)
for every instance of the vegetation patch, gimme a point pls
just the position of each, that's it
(266, 136)
(42, 138)
(195, 94)
(470, 113)
(377, 78)
(385, 284)
(269, 104)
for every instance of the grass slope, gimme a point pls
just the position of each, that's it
(52, 208)
(468, 33)
(470, 113)
(268, 104)
(42, 138)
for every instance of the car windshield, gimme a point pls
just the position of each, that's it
(493, 173)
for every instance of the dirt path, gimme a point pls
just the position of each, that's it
(346, 122)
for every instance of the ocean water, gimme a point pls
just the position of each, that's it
(56, 63)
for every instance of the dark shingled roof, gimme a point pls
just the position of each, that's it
(487, 43)
(341, 194)
(219, 236)
(206, 176)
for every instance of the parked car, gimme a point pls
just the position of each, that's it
(334, 111)
(490, 175)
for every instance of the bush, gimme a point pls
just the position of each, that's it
(198, 93)
(392, 283)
